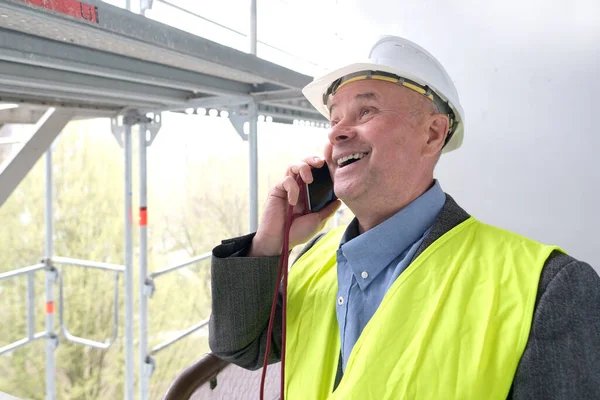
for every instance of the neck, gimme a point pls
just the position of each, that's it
(371, 213)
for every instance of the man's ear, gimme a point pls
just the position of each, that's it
(437, 129)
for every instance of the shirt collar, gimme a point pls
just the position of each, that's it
(375, 249)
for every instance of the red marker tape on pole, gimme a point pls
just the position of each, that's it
(143, 216)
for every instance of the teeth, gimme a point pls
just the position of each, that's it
(356, 156)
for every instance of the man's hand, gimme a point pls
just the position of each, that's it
(269, 237)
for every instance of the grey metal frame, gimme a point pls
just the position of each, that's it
(49, 126)
(150, 286)
(146, 368)
(125, 67)
(177, 338)
(128, 215)
(88, 342)
(253, 167)
(31, 335)
(51, 276)
(117, 269)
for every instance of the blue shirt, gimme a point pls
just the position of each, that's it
(368, 264)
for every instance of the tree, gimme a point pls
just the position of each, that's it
(84, 228)
(192, 206)
(88, 224)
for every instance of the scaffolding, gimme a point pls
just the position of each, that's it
(66, 59)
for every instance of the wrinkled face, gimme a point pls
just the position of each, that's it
(375, 147)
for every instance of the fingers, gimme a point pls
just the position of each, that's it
(304, 167)
(288, 188)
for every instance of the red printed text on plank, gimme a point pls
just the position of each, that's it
(74, 8)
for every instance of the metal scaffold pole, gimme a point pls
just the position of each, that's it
(253, 27)
(253, 134)
(129, 349)
(143, 221)
(51, 338)
(253, 157)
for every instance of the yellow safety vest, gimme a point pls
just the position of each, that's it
(452, 326)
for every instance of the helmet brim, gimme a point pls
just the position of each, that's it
(315, 90)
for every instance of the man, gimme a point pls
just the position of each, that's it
(415, 299)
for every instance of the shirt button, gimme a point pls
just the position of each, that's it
(364, 274)
(340, 300)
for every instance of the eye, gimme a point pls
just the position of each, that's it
(333, 123)
(366, 111)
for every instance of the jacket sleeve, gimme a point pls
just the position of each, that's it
(242, 293)
(562, 358)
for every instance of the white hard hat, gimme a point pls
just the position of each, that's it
(401, 61)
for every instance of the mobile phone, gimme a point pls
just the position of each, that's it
(320, 191)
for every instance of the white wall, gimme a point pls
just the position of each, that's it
(528, 74)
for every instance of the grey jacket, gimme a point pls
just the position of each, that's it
(561, 359)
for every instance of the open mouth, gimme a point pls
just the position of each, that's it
(351, 158)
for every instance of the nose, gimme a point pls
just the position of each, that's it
(340, 133)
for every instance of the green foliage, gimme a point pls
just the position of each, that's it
(88, 225)
(197, 195)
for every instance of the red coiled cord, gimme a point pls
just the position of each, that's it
(283, 272)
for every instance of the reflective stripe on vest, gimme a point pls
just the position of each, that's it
(452, 326)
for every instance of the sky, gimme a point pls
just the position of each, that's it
(527, 77)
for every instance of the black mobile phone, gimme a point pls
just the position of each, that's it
(320, 191)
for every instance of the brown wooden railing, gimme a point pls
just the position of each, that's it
(200, 373)
(211, 378)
